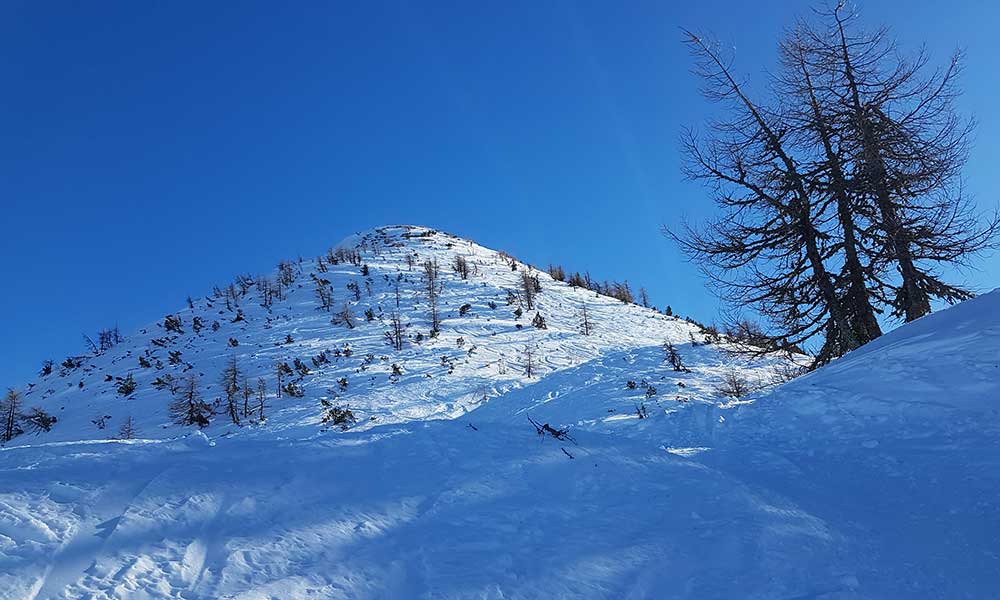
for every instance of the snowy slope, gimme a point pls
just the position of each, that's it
(875, 477)
(899, 443)
(478, 356)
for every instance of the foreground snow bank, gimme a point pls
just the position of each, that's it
(899, 445)
(876, 477)
(442, 510)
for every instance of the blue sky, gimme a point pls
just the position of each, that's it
(153, 149)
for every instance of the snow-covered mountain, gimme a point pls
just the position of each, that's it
(603, 474)
(347, 359)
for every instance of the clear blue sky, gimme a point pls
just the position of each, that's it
(153, 149)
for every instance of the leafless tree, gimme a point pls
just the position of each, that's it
(231, 388)
(128, 429)
(747, 332)
(94, 348)
(265, 289)
(557, 272)
(765, 251)
(231, 296)
(345, 317)
(106, 339)
(807, 106)
(461, 267)
(244, 282)
(261, 397)
(529, 361)
(395, 333)
(324, 294)
(355, 289)
(10, 410)
(530, 286)
(188, 408)
(287, 272)
(906, 147)
(247, 394)
(623, 292)
(279, 373)
(433, 286)
(37, 420)
(673, 357)
(586, 327)
(843, 196)
(733, 385)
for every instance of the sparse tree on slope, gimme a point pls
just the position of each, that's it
(345, 316)
(324, 295)
(188, 408)
(247, 394)
(231, 388)
(11, 408)
(261, 397)
(432, 289)
(529, 287)
(673, 357)
(38, 421)
(395, 333)
(586, 327)
(128, 430)
(529, 361)
(461, 267)
(733, 385)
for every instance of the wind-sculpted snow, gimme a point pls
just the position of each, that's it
(605, 474)
(436, 510)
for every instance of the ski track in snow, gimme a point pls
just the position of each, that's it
(875, 477)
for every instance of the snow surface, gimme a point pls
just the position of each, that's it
(875, 477)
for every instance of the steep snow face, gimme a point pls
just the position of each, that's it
(481, 353)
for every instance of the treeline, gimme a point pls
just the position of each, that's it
(841, 195)
(619, 290)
